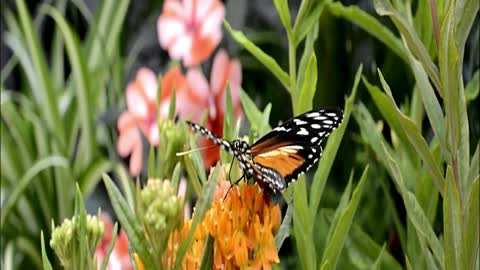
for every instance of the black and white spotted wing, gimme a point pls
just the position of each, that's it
(287, 151)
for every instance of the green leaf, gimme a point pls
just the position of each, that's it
(360, 242)
(340, 233)
(308, 49)
(385, 8)
(228, 123)
(261, 56)
(408, 132)
(207, 256)
(151, 162)
(471, 232)
(369, 24)
(344, 199)
(415, 212)
(48, 105)
(110, 247)
(82, 86)
(465, 13)
(93, 174)
(45, 261)
(130, 223)
(284, 13)
(452, 220)
(171, 108)
(324, 167)
(307, 92)
(474, 167)
(264, 122)
(454, 101)
(303, 27)
(284, 230)
(430, 102)
(253, 114)
(176, 175)
(25, 181)
(376, 264)
(302, 225)
(472, 88)
(201, 207)
(424, 26)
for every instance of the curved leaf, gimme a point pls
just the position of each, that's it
(24, 182)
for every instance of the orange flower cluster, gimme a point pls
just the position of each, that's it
(243, 228)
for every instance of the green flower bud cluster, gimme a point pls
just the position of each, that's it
(172, 140)
(162, 206)
(68, 238)
(162, 212)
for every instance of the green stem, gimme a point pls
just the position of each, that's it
(292, 62)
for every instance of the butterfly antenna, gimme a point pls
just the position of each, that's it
(194, 150)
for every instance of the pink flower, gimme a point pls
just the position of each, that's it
(224, 70)
(140, 117)
(191, 93)
(190, 30)
(119, 258)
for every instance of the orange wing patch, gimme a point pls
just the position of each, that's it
(284, 159)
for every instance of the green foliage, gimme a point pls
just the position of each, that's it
(49, 138)
(53, 151)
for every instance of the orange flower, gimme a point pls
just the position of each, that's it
(141, 116)
(190, 30)
(243, 228)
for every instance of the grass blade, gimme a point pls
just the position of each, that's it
(337, 240)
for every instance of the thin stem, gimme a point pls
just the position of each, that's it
(292, 62)
(436, 28)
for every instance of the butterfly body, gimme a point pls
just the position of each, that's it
(280, 156)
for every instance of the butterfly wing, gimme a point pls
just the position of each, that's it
(294, 147)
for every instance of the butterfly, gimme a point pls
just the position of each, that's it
(280, 156)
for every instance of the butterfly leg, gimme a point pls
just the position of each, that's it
(234, 184)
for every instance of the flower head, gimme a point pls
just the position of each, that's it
(190, 30)
(242, 226)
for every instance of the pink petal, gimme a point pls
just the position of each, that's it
(125, 121)
(148, 80)
(153, 136)
(136, 102)
(127, 141)
(235, 76)
(165, 107)
(169, 29)
(173, 8)
(212, 25)
(136, 159)
(217, 74)
(180, 47)
(188, 8)
(203, 9)
(198, 87)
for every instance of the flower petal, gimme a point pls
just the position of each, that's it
(148, 80)
(127, 141)
(136, 159)
(212, 25)
(169, 29)
(136, 100)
